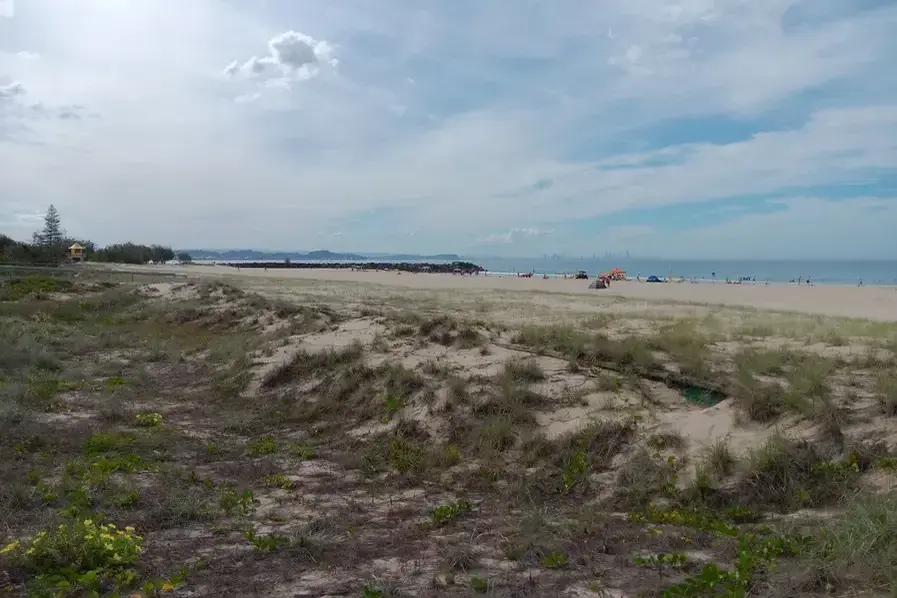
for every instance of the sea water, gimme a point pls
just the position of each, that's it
(878, 272)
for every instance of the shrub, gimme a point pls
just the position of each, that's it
(265, 445)
(80, 555)
(35, 284)
(242, 504)
(148, 420)
(446, 512)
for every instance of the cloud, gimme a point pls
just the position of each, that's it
(7, 8)
(453, 121)
(291, 55)
(628, 233)
(16, 105)
(514, 235)
(26, 55)
(12, 90)
(30, 220)
(803, 228)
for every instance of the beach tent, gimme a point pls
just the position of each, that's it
(653, 278)
(598, 284)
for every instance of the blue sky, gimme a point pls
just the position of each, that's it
(695, 128)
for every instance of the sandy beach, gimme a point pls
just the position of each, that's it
(869, 302)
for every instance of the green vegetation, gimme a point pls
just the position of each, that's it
(479, 584)
(80, 555)
(264, 445)
(554, 560)
(311, 471)
(148, 419)
(50, 247)
(278, 480)
(446, 512)
(34, 285)
(267, 543)
(232, 503)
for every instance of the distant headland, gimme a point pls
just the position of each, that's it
(320, 254)
(454, 267)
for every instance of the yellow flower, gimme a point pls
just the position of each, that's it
(167, 587)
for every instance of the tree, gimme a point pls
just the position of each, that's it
(129, 253)
(184, 257)
(52, 234)
(161, 254)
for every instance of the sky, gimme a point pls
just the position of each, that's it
(690, 128)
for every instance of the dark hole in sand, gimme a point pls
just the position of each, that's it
(701, 396)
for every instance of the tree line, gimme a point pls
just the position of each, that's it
(51, 245)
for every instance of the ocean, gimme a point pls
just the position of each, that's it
(876, 272)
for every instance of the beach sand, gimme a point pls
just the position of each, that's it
(868, 302)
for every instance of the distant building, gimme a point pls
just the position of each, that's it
(76, 253)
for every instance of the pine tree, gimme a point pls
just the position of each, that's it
(51, 236)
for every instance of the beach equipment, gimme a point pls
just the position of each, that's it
(653, 278)
(598, 284)
(615, 274)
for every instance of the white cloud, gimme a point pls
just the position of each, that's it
(7, 8)
(514, 235)
(291, 55)
(26, 55)
(628, 233)
(12, 90)
(459, 118)
(16, 105)
(804, 228)
(17, 220)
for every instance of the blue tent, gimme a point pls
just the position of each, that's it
(653, 278)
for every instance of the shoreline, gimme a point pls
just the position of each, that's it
(876, 303)
(846, 273)
(544, 275)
